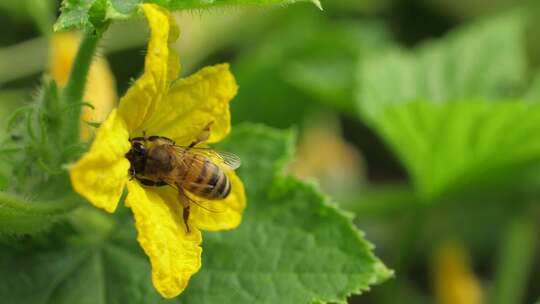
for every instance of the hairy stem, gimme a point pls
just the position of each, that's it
(74, 91)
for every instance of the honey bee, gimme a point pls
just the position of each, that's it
(157, 161)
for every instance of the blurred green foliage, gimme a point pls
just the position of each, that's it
(41, 13)
(459, 113)
(308, 58)
(486, 59)
(446, 89)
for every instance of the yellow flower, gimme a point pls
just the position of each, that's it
(100, 85)
(454, 280)
(325, 155)
(180, 110)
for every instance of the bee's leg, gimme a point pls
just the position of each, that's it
(186, 217)
(203, 136)
(131, 173)
(185, 202)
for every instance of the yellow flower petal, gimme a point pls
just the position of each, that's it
(144, 96)
(454, 279)
(174, 254)
(100, 175)
(223, 214)
(174, 60)
(64, 46)
(101, 93)
(194, 102)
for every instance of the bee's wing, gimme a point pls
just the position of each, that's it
(224, 159)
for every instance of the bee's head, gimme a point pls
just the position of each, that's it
(137, 156)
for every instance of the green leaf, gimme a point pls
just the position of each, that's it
(486, 59)
(456, 146)
(82, 14)
(98, 266)
(293, 246)
(442, 108)
(95, 14)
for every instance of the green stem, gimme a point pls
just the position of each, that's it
(123, 35)
(74, 91)
(30, 52)
(515, 261)
(19, 216)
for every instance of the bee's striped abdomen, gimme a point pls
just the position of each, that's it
(206, 179)
(223, 187)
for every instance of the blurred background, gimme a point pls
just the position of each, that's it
(471, 240)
